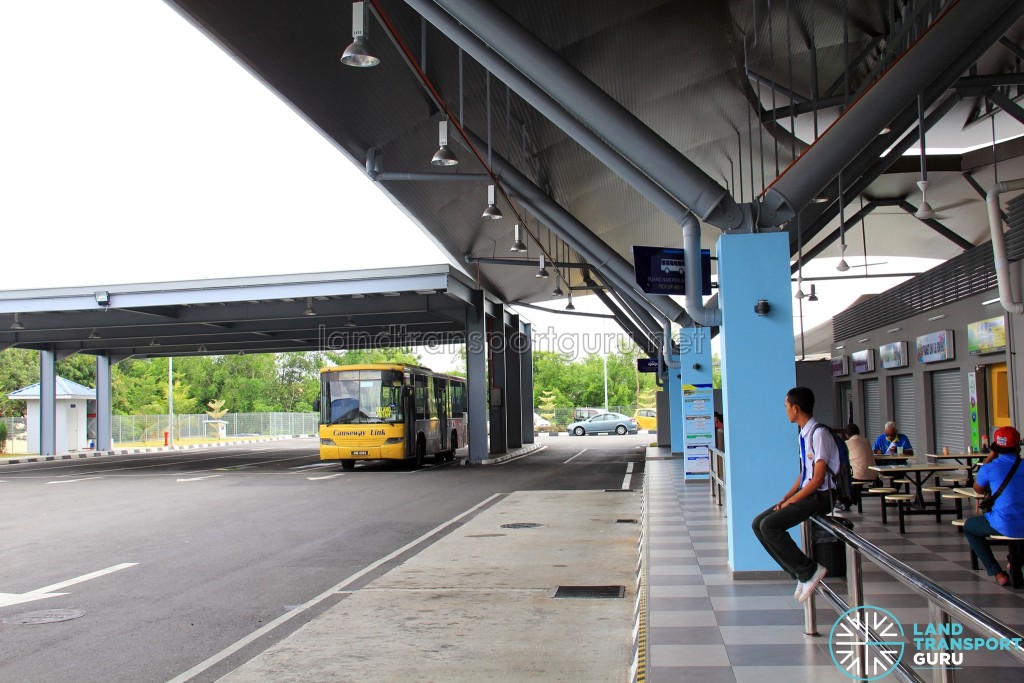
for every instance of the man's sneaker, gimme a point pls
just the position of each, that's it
(841, 507)
(805, 588)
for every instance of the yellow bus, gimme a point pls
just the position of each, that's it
(390, 411)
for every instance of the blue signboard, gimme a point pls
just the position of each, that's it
(661, 270)
(646, 364)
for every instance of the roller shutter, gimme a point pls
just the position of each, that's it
(872, 415)
(904, 407)
(948, 411)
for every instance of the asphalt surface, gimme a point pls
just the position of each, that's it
(166, 559)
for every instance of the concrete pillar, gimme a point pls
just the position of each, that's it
(103, 402)
(47, 403)
(525, 349)
(514, 387)
(698, 399)
(498, 342)
(758, 368)
(476, 375)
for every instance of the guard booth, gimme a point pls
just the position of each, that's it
(72, 409)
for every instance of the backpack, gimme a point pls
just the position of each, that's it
(842, 481)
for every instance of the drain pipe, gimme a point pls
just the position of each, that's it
(693, 302)
(995, 222)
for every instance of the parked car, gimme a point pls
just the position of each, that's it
(580, 414)
(540, 423)
(604, 422)
(646, 418)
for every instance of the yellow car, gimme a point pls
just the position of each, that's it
(646, 418)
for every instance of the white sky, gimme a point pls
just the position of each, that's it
(135, 150)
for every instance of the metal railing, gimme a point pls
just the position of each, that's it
(128, 428)
(942, 604)
(716, 474)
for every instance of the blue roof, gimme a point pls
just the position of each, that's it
(65, 389)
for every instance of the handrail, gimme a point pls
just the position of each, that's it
(941, 602)
(716, 474)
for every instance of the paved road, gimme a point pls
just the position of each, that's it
(173, 557)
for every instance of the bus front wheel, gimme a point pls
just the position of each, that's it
(348, 465)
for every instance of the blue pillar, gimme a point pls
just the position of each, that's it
(675, 404)
(698, 399)
(758, 368)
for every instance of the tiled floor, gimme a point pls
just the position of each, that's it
(705, 627)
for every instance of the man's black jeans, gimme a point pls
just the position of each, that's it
(772, 528)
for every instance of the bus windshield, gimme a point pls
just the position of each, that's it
(364, 396)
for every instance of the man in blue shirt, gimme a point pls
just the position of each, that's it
(809, 495)
(892, 441)
(1006, 518)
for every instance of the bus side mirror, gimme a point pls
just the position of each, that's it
(316, 404)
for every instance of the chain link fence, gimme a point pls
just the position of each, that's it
(129, 428)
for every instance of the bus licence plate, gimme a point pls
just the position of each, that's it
(360, 452)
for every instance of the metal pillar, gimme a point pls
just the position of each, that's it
(103, 402)
(525, 351)
(514, 387)
(476, 373)
(758, 369)
(47, 403)
(497, 342)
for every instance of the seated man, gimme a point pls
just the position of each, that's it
(861, 457)
(891, 441)
(1006, 518)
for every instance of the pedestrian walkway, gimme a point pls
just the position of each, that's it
(705, 627)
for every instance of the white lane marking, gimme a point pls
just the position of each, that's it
(72, 481)
(338, 588)
(209, 476)
(313, 466)
(628, 477)
(328, 476)
(575, 456)
(45, 592)
(521, 456)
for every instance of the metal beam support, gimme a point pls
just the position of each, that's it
(103, 402)
(514, 385)
(525, 351)
(614, 269)
(476, 375)
(559, 82)
(497, 342)
(47, 403)
(955, 36)
(1006, 104)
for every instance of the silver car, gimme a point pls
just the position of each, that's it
(604, 422)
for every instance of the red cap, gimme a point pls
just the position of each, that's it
(1006, 439)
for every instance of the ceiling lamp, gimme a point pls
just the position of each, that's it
(842, 266)
(309, 307)
(356, 54)
(443, 156)
(543, 272)
(350, 322)
(492, 211)
(518, 244)
(17, 324)
(569, 306)
(94, 334)
(924, 210)
(814, 295)
(202, 348)
(799, 288)
(155, 342)
(557, 291)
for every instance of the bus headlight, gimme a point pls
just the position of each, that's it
(393, 440)
(326, 442)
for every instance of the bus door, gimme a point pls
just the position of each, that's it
(441, 400)
(409, 408)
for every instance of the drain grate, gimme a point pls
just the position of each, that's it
(598, 592)
(44, 616)
(521, 525)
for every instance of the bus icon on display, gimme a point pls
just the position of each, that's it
(672, 265)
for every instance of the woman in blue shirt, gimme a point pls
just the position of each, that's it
(1006, 518)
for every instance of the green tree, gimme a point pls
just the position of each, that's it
(19, 368)
(365, 356)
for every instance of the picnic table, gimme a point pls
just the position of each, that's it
(919, 474)
(970, 461)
